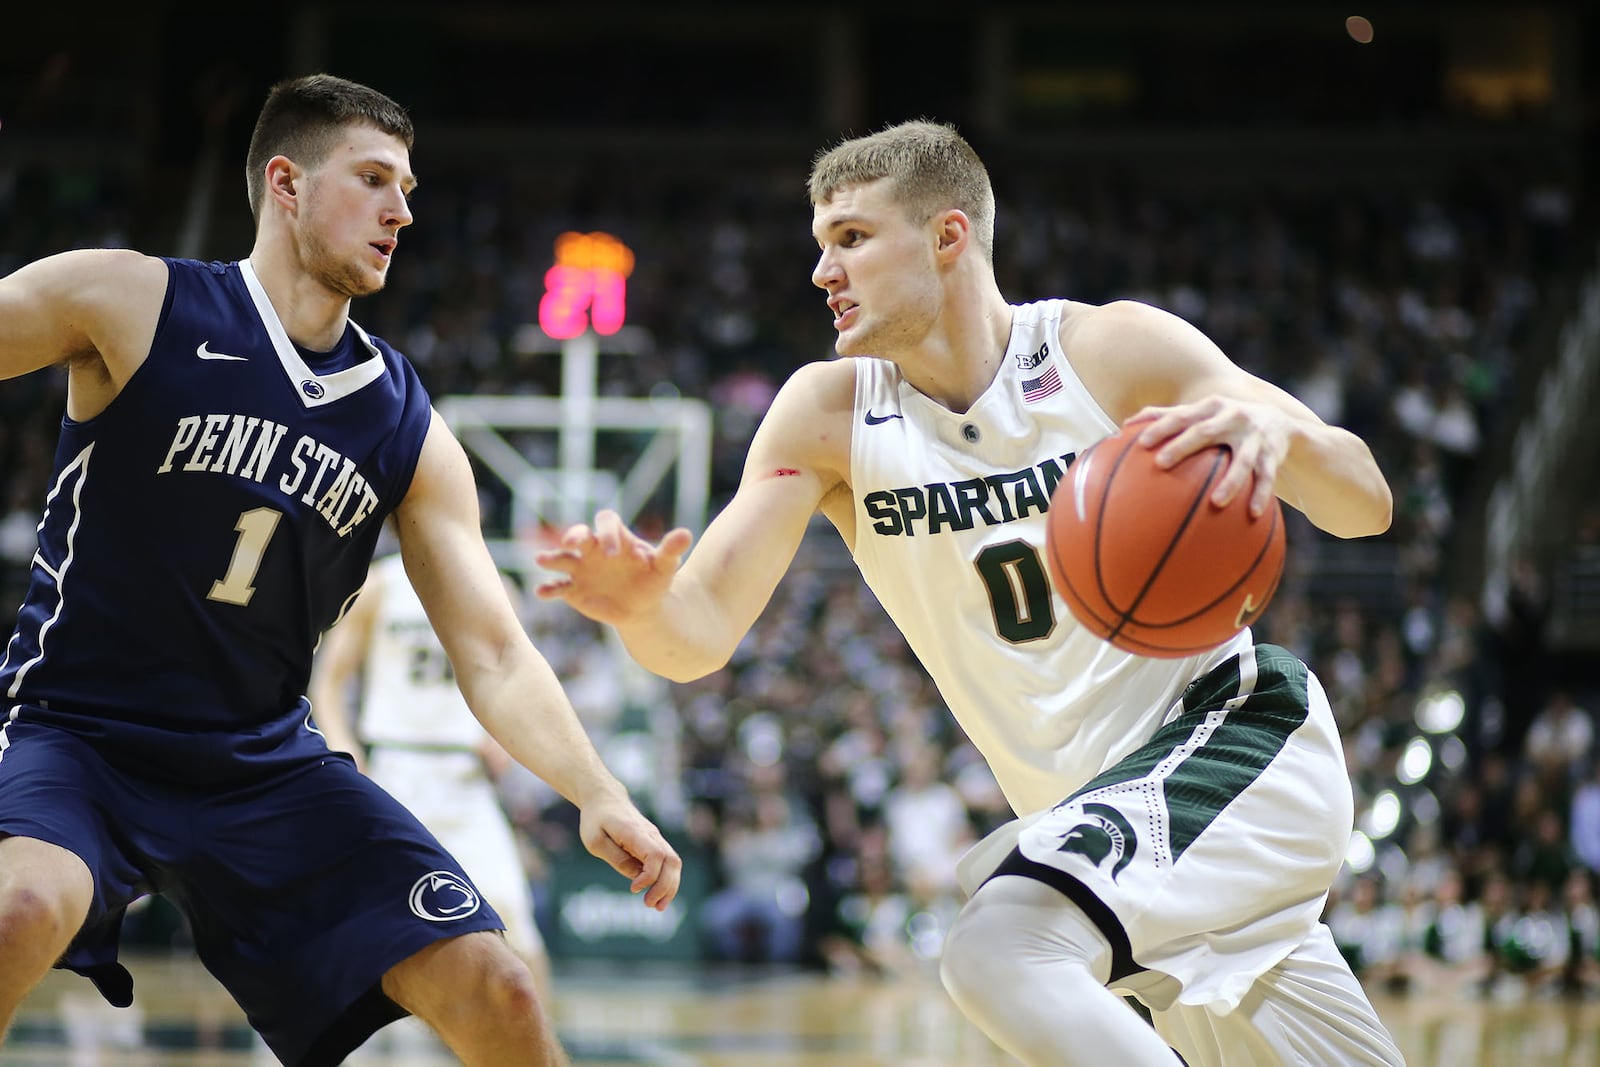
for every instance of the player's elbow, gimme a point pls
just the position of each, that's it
(1383, 513)
(684, 669)
(1366, 516)
(681, 661)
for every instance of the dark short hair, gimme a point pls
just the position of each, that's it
(301, 118)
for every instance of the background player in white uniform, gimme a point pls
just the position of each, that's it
(415, 736)
(1201, 806)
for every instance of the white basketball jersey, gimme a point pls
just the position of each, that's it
(409, 693)
(950, 534)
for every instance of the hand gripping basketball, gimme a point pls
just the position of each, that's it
(1143, 558)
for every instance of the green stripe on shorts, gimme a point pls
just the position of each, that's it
(1228, 747)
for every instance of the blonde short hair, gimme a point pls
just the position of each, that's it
(931, 166)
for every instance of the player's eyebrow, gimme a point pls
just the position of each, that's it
(837, 222)
(409, 182)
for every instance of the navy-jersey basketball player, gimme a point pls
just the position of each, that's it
(232, 444)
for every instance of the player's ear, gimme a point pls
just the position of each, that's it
(282, 176)
(954, 231)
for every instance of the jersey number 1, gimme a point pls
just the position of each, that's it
(255, 530)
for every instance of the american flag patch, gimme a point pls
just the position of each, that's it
(1044, 385)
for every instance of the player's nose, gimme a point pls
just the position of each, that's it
(397, 212)
(826, 274)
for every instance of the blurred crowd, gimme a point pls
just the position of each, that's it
(819, 776)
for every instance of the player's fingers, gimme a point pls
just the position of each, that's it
(621, 860)
(666, 888)
(674, 544)
(1159, 424)
(554, 589)
(1180, 446)
(609, 531)
(577, 537)
(1236, 476)
(662, 868)
(1143, 415)
(1265, 487)
(667, 881)
(649, 870)
(558, 559)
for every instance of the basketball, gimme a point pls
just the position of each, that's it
(1146, 561)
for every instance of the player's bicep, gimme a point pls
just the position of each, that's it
(77, 304)
(446, 559)
(790, 467)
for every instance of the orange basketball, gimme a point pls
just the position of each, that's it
(1145, 560)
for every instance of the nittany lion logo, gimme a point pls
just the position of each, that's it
(1104, 832)
(440, 897)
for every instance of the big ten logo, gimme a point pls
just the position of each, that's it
(587, 286)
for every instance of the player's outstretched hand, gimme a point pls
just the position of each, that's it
(614, 830)
(608, 572)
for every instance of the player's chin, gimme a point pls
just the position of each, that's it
(367, 282)
(849, 344)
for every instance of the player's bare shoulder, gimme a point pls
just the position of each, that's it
(123, 291)
(812, 414)
(94, 310)
(118, 302)
(1109, 347)
(807, 430)
(1086, 328)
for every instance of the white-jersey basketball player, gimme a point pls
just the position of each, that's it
(1180, 820)
(415, 736)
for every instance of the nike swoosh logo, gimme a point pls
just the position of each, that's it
(205, 353)
(879, 420)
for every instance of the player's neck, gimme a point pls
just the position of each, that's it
(313, 315)
(956, 363)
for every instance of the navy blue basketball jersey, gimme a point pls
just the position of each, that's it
(202, 531)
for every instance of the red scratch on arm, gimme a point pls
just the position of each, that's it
(785, 472)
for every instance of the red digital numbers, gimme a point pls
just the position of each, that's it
(587, 286)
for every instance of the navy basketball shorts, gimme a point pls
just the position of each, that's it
(302, 887)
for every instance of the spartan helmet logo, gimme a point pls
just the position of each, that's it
(1104, 832)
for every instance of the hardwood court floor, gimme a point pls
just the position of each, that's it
(681, 1018)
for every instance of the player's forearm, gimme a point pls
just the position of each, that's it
(1330, 476)
(687, 636)
(525, 709)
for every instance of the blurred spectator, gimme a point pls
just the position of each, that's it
(1538, 948)
(1542, 854)
(1581, 974)
(1559, 741)
(1585, 828)
(1519, 611)
(928, 824)
(1369, 932)
(869, 933)
(759, 914)
(1456, 939)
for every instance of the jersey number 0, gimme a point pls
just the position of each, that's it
(1019, 591)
